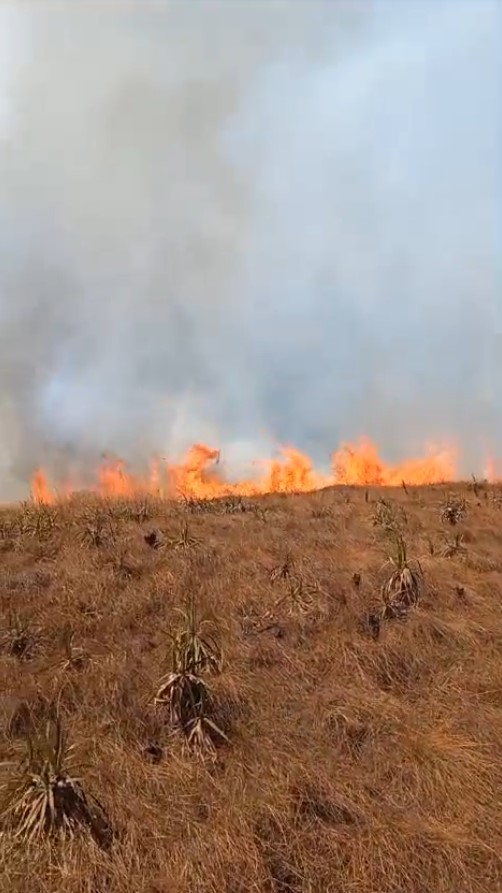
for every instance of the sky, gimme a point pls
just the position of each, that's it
(249, 224)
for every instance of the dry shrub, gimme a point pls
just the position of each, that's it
(41, 795)
(454, 510)
(454, 547)
(20, 638)
(183, 691)
(403, 588)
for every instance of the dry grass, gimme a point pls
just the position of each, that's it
(284, 749)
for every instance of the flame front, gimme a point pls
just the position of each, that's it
(199, 475)
(361, 464)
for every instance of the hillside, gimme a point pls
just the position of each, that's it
(362, 750)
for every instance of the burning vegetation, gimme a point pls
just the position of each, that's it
(199, 475)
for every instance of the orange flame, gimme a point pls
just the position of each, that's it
(41, 489)
(361, 464)
(199, 474)
(491, 470)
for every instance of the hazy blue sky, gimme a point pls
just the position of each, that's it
(248, 222)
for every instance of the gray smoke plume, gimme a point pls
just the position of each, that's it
(248, 223)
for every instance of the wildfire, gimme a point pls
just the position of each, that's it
(492, 469)
(200, 476)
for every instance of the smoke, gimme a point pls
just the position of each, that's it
(248, 224)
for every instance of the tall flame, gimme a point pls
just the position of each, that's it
(40, 487)
(199, 474)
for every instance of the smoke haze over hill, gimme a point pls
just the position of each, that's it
(248, 224)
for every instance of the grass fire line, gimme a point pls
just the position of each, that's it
(199, 474)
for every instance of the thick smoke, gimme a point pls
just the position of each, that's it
(248, 223)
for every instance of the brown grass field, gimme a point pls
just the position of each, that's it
(350, 733)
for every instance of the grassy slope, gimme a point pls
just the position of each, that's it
(355, 765)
